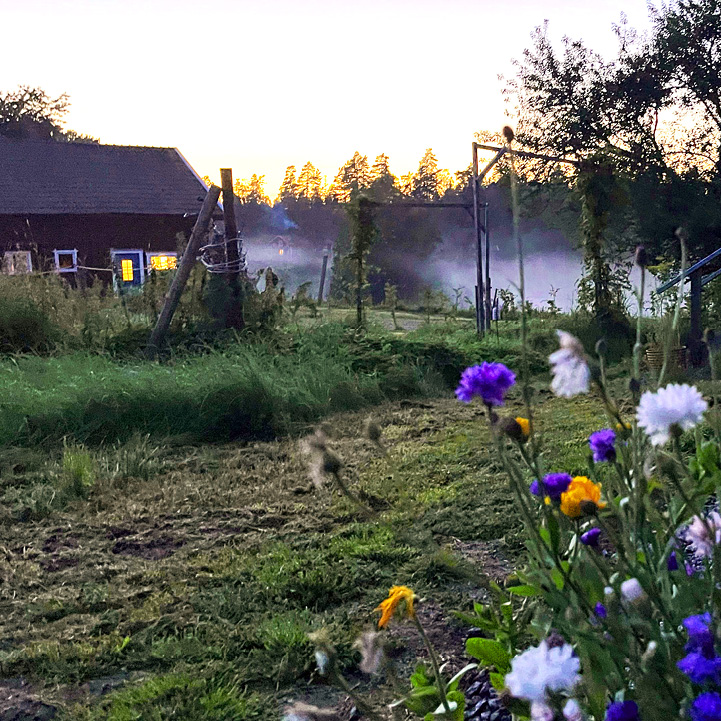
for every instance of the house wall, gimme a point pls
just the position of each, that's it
(92, 235)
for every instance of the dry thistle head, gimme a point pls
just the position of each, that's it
(641, 256)
(330, 463)
(373, 431)
(508, 133)
(300, 711)
(371, 647)
(682, 234)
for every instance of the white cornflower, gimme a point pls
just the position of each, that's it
(704, 536)
(632, 591)
(541, 711)
(571, 374)
(674, 405)
(542, 668)
(572, 711)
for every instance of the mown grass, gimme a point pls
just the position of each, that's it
(217, 627)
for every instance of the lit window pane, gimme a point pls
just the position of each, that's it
(126, 266)
(163, 262)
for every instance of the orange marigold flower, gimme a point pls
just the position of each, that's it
(581, 491)
(525, 426)
(396, 595)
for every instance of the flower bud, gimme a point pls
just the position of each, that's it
(513, 429)
(632, 591)
(508, 133)
(601, 347)
(681, 233)
(331, 463)
(641, 258)
(634, 385)
(588, 508)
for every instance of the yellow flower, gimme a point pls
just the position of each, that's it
(580, 491)
(389, 606)
(525, 426)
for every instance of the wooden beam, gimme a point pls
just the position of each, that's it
(480, 324)
(528, 154)
(182, 274)
(231, 227)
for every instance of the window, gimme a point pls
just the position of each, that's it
(126, 266)
(17, 262)
(162, 261)
(66, 261)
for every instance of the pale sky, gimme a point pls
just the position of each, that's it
(257, 86)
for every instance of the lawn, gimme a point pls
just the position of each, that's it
(182, 579)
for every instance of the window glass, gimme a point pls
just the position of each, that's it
(126, 266)
(163, 262)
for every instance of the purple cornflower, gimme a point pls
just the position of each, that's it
(490, 381)
(591, 537)
(600, 610)
(672, 562)
(622, 711)
(706, 707)
(553, 485)
(603, 445)
(700, 638)
(699, 668)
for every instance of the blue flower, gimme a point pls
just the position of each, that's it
(553, 485)
(672, 562)
(622, 711)
(600, 610)
(699, 668)
(706, 707)
(591, 537)
(489, 381)
(700, 638)
(603, 445)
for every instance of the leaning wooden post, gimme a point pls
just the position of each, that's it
(182, 274)
(232, 253)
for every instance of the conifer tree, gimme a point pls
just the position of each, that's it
(426, 179)
(355, 175)
(310, 183)
(289, 187)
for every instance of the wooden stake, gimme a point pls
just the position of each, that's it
(182, 274)
(480, 325)
(322, 275)
(234, 318)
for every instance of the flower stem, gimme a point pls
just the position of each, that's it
(434, 663)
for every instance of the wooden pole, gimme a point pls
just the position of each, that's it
(489, 311)
(182, 274)
(695, 335)
(480, 325)
(234, 318)
(326, 251)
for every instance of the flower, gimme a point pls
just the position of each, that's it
(541, 711)
(600, 610)
(552, 486)
(672, 562)
(700, 637)
(675, 405)
(581, 491)
(704, 533)
(699, 668)
(572, 711)
(542, 668)
(632, 591)
(706, 707)
(622, 711)
(389, 606)
(602, 445)
(525, 426)
(591, 537)
(571, 374)
(490, 381)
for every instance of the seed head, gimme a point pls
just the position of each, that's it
(373, 431)
(331, 464)
(508, 133)
(641, 256)
(682, 234)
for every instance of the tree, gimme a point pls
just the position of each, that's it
(425, 184)
(251, 191)
(31, 113)
(383, 183)
(289, 187)
(353, 176)
(310, 183)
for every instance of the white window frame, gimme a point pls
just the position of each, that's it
(74, 253)
(154, 253)
(13, 253)
(119, 251)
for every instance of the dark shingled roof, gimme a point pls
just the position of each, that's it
(43, 177)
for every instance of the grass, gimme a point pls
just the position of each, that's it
(186, 588)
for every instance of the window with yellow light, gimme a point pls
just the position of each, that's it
(163, 262)
(126, 267)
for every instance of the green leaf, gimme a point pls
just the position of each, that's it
(489, 652)
(419, 679)
(525, 590)
(498, 681)
(557, 577)
(453, 683)
(554, 532)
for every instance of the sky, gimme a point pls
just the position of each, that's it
(260, 85)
